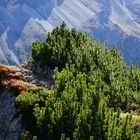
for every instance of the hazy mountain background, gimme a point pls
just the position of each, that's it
(22, 21)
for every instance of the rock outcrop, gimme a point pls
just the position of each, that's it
(10, 120)
(13, 81)
(32, 73)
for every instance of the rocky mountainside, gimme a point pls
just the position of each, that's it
(78, 89)
(10, 121)
(13, 80)
(22, 21)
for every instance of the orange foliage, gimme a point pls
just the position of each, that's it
(7, 70)
(8, 79)
(18, 84)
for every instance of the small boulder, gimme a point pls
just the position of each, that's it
(29, 78)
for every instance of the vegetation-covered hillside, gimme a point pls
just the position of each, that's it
(94, 91)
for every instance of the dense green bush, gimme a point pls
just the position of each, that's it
(93, 86)
(60, 47)
(78, 111)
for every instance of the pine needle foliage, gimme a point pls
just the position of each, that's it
(93, 86)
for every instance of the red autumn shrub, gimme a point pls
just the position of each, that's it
(18, 84)
(12, 70)
(11, 81)
(9, 78)
(6, 71)
(21, 88)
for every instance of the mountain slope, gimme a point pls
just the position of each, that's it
(22, 21)
(74, 88)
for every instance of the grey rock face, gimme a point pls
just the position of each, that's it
(10, 121)
(29, 78)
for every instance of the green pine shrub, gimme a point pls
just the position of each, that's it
(93, 88)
